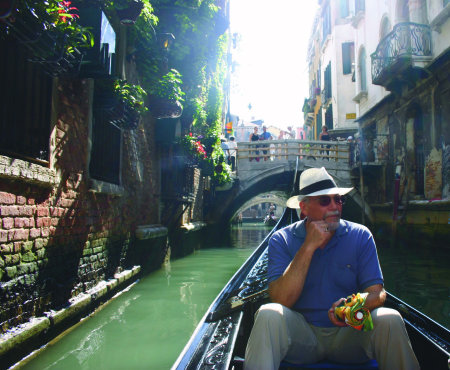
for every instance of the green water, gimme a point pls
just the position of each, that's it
(148, 326)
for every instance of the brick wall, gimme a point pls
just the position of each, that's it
(58, 238)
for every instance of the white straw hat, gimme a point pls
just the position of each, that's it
(314, 182)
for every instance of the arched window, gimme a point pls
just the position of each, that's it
(362, 70)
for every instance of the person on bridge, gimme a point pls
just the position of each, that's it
(232, 147)
(313, 265)
(325, 136)
(265, 136)
(254, 137)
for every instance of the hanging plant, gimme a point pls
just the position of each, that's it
(167, 96)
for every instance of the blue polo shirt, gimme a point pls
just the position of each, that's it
(348, 264)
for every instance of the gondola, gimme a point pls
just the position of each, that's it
(220, 338)
(270, 221)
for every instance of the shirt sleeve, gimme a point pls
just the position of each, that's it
(279, 256)
(369, 270)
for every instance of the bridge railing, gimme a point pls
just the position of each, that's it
(286, 150)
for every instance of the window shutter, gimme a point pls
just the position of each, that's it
(347, 57)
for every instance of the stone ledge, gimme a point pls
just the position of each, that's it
(193, 226)
(22, 333)
(145, 232)
(84, 303)
(17, 169)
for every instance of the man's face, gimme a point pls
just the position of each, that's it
(326, 208)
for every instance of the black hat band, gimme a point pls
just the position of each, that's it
(320, 185)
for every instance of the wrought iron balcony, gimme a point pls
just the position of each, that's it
(401, 54)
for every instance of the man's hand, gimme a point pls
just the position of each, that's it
(317, 233)
(331, 315)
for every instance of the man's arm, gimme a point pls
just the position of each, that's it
(287, 288)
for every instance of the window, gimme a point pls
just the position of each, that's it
(344, 9)
(329, 117)
(360, 6)
(362, 70)
(445, 2)
(106, 150)
(26, 105)
(327, 82)
(348, 57)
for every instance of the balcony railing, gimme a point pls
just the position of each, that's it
(410, 41)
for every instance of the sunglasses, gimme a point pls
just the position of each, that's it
(325, 200)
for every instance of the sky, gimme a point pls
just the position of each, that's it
(272, 73)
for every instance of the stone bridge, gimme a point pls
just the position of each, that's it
(268, 168)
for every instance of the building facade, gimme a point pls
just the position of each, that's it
(387, 63)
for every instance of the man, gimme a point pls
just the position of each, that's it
(291, 132)
(226, 152)
(313, 265)
(232, 147)
(265, 136)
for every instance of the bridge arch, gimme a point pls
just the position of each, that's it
(271, 171)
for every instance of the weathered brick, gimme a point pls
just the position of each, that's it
(17, 247)
(21, 200)
(29, 257)
(12, 259)
(42, 211)
(3, 236)
(41, 254)
(27, 246)
(8, 223)
(35, 233)
(9, 211)
(20, 234)
(11, 271)
(21, 222)
(26, 210)
(43, 222)
(6, 248)
(7, 198)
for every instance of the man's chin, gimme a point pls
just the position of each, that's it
(332, 226)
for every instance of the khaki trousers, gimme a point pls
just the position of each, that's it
(280, 333)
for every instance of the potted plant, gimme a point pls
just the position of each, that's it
(122, 103)
(167, 96)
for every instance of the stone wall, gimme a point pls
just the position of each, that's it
(58, 238)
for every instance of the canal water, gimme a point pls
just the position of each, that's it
(147, 326)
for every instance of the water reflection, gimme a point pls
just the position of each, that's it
(419, 276)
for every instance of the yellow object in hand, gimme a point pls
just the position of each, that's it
(352, 312)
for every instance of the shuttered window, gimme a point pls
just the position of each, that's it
(25, 109)
(348, 57)
(327, 82)
(329, 117)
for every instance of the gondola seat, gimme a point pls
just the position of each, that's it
(238, 363)
(370, 365)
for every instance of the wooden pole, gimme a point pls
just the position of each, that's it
(361, 186)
